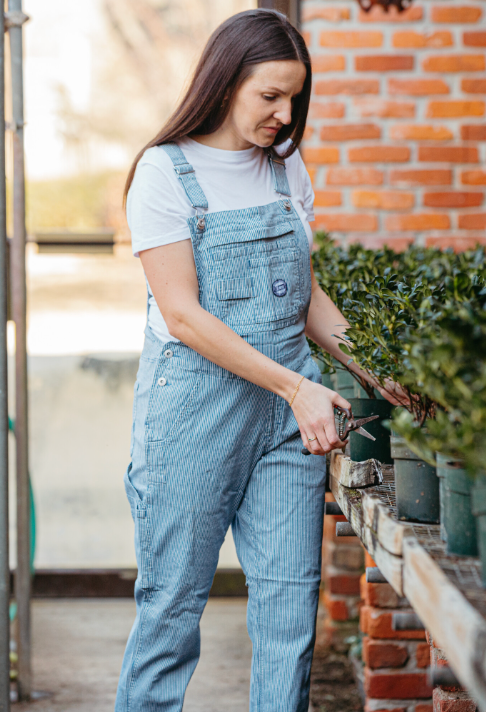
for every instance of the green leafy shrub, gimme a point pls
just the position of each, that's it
(417, 318)
(448, 364)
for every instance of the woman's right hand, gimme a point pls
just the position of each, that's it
(313, 408)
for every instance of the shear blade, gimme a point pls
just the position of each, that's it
(364, 432)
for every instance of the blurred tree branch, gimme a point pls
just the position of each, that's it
(141, 65)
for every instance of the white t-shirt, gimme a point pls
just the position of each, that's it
(158, 207)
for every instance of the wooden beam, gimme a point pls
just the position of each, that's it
(445, 591)
(388, 531)
(355, 475)
(456, 625)
(350, 502)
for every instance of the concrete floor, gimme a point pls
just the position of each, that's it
(79, 644)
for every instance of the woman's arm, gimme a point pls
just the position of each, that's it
(324, 323)
(171, 273)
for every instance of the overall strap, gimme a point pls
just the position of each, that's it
(280, 182)
(187, 176)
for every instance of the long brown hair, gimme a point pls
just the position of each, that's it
(232, 51)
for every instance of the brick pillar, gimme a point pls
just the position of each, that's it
(448, 699)
(340, 595)
(396, 662)
(396, 136)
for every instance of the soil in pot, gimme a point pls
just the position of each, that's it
(361, 448)
(478, 494)
(456, 512)
(416, 485)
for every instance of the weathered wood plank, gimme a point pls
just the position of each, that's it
(346, 498)
(355, 474)
(455, 624)
(388, 530)
(391, 566)
(350, 502)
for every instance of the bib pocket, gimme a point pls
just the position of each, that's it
(269, 292)
(234, 289)
(278, 280)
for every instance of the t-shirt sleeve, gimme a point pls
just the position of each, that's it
(157, 208)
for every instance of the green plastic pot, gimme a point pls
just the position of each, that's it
(327, 380)
(478, 495)
(456, 511)
(359, 392)
(343, 383)
(361, 448)
(326, 377)
(416, 485)
(442, 498)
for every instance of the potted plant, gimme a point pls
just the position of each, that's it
(386, 297)
(449, 364)
(340, 273)
(384, 312)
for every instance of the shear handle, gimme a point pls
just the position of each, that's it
(347, 411)
(349, 416)
(344, 414)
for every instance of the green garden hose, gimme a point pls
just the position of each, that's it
(13, 605)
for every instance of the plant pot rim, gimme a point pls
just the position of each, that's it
(401, 451)
(450, 461)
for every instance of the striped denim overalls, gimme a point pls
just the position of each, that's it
(210, 450)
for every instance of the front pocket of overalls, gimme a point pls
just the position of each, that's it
(172, 399)
(269, 293)
(238, 288)
(278, 286)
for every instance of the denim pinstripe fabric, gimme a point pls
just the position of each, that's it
(211, 450)
(187, 176)
(280, 182)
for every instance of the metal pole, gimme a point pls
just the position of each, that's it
(19, 314)
(4, 558)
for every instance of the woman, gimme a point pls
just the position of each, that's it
(219, 205)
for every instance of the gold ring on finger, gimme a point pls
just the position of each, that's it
(311, 439)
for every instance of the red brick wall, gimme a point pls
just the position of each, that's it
(396, 137)
(395, 662)
(342, 566)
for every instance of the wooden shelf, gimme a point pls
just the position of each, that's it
(444, 590)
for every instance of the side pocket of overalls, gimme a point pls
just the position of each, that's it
(141, 509)
(134, 416)
(137, 485)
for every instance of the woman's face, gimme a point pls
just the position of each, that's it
(263, 103)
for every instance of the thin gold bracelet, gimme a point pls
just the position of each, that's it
(295, 392)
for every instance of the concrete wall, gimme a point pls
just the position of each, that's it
(80, 407)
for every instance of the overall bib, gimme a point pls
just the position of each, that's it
(212, 450)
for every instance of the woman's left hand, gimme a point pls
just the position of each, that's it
(394, 393)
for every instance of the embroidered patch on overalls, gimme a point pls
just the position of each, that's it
(279, 288)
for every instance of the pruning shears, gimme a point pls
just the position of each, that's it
(352, 425)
